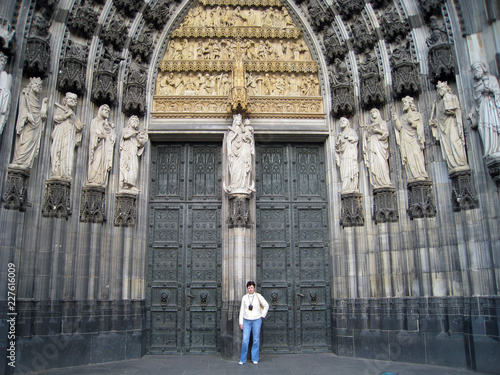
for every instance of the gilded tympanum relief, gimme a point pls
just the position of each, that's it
(233, 56)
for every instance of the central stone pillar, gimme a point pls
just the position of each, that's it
(239, 253)
(239, 265)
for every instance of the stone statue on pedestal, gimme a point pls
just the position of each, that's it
(5, 93)
(347, 157)
(131, 148)
(66, 136)
(101, 146)
(30, 124)
(411, 140)
(240, 146)
(486, 114)
(446, 125)
(376, 150)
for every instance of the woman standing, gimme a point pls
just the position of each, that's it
(253, 308)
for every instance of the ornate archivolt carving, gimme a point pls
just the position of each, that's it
(441, 60)
(6, 33)
(262, 3)
(73, 69)
(157, 16)
(343, 102)
(37, 60)
(349, 8)
(392, 25)
(232, 32)
(228, 56)
(371, 82)
(83, 20)
(405, 73)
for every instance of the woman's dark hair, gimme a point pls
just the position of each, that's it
(250, 283)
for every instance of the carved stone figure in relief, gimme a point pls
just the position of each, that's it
(132, 145)
(253, 83)
(101, 146)
(446, 125)
(66, 136)
(5, 93)
(376, 150)
(240, 154)
(347, 157)
(438, 32)
(30, 124)
(486, 114)
(411, 140)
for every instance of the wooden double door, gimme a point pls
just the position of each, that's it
(184, 280)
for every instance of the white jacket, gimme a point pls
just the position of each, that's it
(257, 312)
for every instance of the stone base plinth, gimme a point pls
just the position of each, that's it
(385, 205)
(93, 205)
(15, 196)
(125, 209)
(56, 200)
(352, 214)
(239, 211)
(464, 194)
(420, 200)
(493, 164)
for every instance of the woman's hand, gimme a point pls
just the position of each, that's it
(241, 326)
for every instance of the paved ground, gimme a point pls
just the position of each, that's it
(285, 364)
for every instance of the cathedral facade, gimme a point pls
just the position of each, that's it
(158, 155)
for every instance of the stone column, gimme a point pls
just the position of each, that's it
(239, 265)
(239, 253)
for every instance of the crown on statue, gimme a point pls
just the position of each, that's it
(441, 85)
(34, 80)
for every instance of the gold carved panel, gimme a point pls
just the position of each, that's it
(238, 56)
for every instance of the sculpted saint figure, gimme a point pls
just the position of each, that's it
(347, 157)
(131, 148)
(376, 150)
(101, 146)
(486, 114)
(30, 124)
(240, 154)
(66, 136)
(411, 140)
(446, 125)
(5, 85)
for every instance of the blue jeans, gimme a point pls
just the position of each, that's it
(254, 326)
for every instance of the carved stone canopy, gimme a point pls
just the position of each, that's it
(73, 69)
(83, 20)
